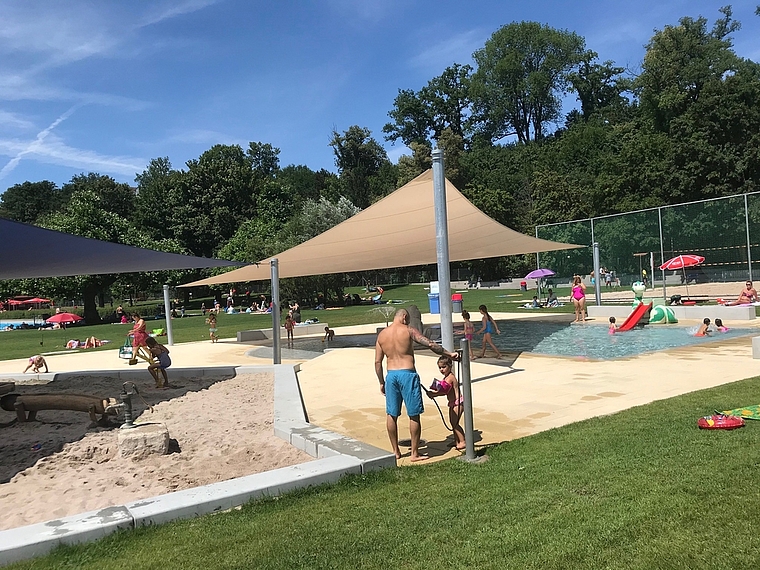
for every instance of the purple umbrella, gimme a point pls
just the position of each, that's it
(539, 274)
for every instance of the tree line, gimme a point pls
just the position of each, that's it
(684, 126)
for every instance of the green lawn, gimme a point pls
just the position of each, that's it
(24, 343)
(640, 489)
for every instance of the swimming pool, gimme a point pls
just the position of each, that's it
(543, 337)
(594, 341)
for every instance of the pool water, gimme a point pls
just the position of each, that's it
(594, 341)
(538, 337)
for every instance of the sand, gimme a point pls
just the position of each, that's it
(61, 465)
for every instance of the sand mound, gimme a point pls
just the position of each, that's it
(60, 465)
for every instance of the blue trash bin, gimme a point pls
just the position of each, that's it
(435, 303)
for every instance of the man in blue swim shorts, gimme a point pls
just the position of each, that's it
(402, 384)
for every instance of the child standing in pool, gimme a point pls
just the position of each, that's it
(469, 331)
(613, 327)
(449, 386)
(704, 328)
(719, 326)
(489, 326)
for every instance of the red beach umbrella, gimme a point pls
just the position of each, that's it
(682, 262)
(64, 318)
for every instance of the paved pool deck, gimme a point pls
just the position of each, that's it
(513, 398)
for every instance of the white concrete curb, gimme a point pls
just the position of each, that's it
(337, 456)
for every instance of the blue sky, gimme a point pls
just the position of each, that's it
(105, 86)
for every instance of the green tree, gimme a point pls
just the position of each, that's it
(28, 201)
(680, 61)
(600, 88)
(444, 103)
(522, 72)
(412, 120)
(365, 171)
(155, 194)
(411, 166)
(214, 197)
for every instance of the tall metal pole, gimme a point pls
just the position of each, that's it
(651, 267)
(662, 254)
(167, 310)
(469, 430)
(749, 244)
(276, 353)
(597, 285)
(442, 250)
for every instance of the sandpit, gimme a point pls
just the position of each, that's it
(60, 465)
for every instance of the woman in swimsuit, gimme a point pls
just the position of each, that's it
(449, 386)
(489, 326)
(469, 331)
(579, 299)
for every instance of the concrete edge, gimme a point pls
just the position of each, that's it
(137, 373)
(39, 539)
(291, 424)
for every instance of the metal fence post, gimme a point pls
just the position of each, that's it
(469, 430)
(662, 254)
(167, 310)
(276, 352)
(597, 285)
(749, 243)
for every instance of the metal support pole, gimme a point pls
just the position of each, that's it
(538, 265)
(662, 254)
(276, 352)
(469, 431)
(167, 310)
(597, 285)
(442, 250)
(651, 267)
(749, 243)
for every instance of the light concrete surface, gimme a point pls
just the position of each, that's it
(38, 539)
(696, 312)
(535, 394)
(299, 330)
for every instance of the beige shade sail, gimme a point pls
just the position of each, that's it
(397, 231)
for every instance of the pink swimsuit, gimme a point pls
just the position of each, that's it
(578, 293)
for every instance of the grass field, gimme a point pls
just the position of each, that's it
(640, 489)
(24, 343)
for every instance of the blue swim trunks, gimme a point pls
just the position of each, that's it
(403, 385)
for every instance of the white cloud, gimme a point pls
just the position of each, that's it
(166, 10)
(366, 11)
(50, 149)
(14, 121)
(453, 48)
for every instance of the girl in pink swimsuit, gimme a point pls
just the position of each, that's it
(579, 299)
(449, 386)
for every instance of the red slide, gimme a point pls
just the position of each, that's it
(635, 316)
